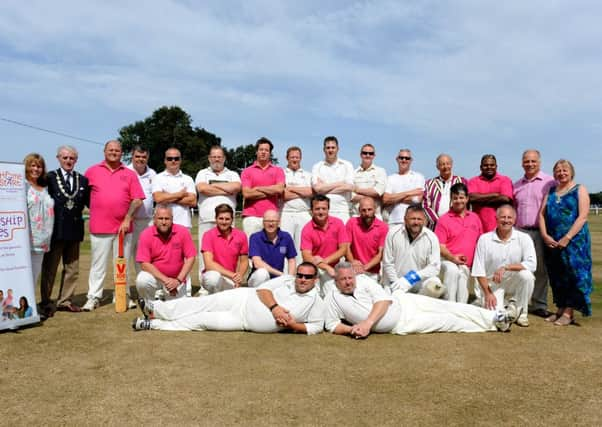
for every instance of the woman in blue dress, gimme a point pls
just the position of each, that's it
(563, 226)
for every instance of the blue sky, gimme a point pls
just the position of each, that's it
(462, 77)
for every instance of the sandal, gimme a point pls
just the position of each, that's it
(564, 321)
(552, 318)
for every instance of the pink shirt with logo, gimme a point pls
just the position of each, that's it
(225, 250)
(321, 242)
(499, 184)
(255, 176)
(111, 192)
(459, 234)
(365, 243)
(166, 255)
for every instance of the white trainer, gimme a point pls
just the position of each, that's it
(91, 305)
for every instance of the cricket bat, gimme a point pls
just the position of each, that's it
(120, 279)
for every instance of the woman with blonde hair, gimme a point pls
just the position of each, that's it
(40, 209)
(563, 227)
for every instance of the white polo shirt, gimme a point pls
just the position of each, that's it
(400, 256)
(298, 178)
(493, 252)
(373, 177)
(341, 170)
(169, 183)
(356, 308)
(207, 204)
(397, 183)
(146, 181)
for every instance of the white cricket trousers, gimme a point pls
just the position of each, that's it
(140, 224)
(455, 278)
(293, 223)
(203, 228)
(252, 224)
(421, 315)
(214, 282)
(147, 286)
(101, 246)
(516, 284)
(259, 276)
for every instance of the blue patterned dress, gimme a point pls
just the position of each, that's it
(569, 269)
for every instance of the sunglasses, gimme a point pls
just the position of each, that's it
(368, 153)
(305, 276)
(404, 158)
(172, 159)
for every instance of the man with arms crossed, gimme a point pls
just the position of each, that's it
(225, 252)
(359, 306)
(403, 188)
(369, 180)
(166, 254)
(503, 265)
(458, 231)
(286, 303)
(324, 241)
(367, 234)
(71, 195)
(529, 192)
(333, 177)
(269, 249)
(297, 194)
(115, 195)
(262, 187)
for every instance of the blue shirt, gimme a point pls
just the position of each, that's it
(273, 254)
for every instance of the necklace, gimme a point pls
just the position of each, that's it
(562, 192)
(69, 204)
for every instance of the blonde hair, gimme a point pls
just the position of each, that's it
(565, 162)
(32, 158)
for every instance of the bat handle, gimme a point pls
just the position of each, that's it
(120, 244)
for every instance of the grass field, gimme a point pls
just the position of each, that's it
(91, 369)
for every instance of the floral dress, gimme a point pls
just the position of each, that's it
(40, 208)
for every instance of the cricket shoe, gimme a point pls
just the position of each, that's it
(505, 318)
(91, 305)
(141, 324)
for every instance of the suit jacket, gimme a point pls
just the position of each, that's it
(68, 223)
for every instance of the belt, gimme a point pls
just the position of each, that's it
(530, 228)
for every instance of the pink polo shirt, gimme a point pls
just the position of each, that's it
(499, 184)
(255, 176)
(111, 193)
(166, 255)
(365, 243)
(528, 196)
(459, 234)
(324, 242)
(225, 250)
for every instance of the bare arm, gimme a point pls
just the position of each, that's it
(581, 219)
(294, 192)
(489, 297)
(171, 283)
(363, 328)
(255, 193)
(125, 224)
(218, 188)
(494, 199)
(409, 196)
(260, 263)
(165, 197)
(458, 259)
(211, 265)
(332, 188)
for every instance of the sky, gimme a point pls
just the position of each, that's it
(461, 77)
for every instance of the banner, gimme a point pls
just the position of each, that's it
(17, 295)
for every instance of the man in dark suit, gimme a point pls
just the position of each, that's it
(71, 194)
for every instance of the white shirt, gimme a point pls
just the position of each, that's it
(400, 256)
(341, 170)
(356, 308)
(207, 204)
(397, 183)
(169, 183)
(373, 177)
(146, 181)
(445, 198)
(493, 252)
(298, 178)
(306, 308)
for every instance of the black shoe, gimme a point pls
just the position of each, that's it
(541, 312)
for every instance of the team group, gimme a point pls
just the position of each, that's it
(342, 248)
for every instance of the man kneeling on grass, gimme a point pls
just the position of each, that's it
(359, 306)
(286, 303)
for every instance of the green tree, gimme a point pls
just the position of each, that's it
(595, 198)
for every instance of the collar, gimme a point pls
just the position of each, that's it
(539, 177)
(328, 224)
(300, 170)
(119, 166)
(173, 231)
(361, 169)
(179, 173)
(497, 238)
(256, 165)
(265, 237)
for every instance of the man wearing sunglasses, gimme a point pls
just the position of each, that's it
(402, 188)
(369, 180)
(286, 303)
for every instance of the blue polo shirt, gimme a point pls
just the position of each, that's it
(273, 254)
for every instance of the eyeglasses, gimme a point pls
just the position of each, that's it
(270, 221)
(367, 153)
(172, 159)
(305, 276)
(404, 158)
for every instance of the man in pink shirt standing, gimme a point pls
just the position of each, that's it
(529, 192)
(262, 187)
(324, 241)
(166, 255)
(367, 234)
(115, 194)
(489, 191)
(458, 232)
(225, 253)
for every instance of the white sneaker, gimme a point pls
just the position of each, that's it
(523, 320)
(141, 324)
(91, 305)
(131, 303)
(202, 292)
(505, 318)
(160, 295)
